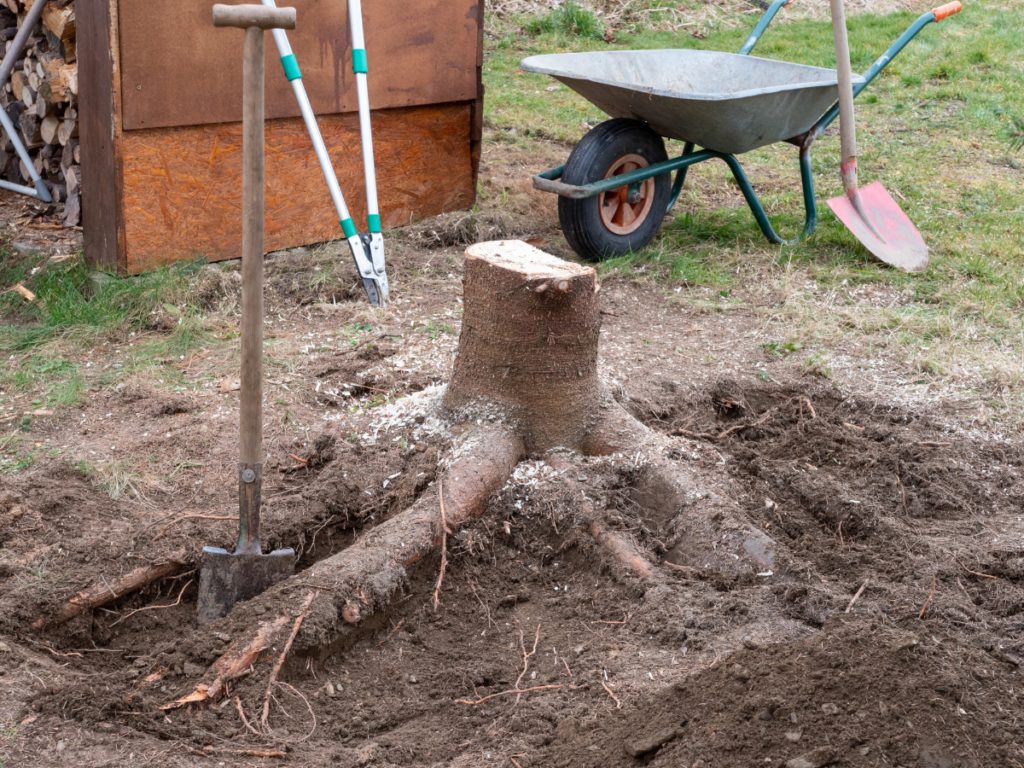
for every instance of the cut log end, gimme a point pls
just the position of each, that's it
(528, 262)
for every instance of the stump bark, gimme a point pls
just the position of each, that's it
(527, 354)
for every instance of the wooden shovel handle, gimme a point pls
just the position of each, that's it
(847, 128)
(245, 16)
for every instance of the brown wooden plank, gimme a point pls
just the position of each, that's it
(183, 185)
(100, 133)
(476, 133)
(177, 69)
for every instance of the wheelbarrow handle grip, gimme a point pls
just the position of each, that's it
(947, 10)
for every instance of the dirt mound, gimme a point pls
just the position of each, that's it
(911, 521)
(854, 695)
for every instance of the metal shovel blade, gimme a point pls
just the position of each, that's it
(227, 579)
(901, 245)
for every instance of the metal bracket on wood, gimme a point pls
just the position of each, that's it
(41, 191)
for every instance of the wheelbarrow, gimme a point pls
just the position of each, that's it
(616, 187)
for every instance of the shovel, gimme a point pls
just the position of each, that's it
(870, 214)
(226, 579)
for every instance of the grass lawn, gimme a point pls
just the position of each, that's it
(936, 128)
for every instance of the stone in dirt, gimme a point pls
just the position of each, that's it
(644, 744)
(816, 758)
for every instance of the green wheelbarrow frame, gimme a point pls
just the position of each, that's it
(548, 180)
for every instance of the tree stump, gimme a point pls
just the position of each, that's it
(524, 382)
(527, 354)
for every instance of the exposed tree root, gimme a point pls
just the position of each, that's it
(618, 545)
(361, 579)
(280, 661)
(108, 591)
(525, 382)
(233, 664)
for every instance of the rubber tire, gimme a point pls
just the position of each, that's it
(589, 161)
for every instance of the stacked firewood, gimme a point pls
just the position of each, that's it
(41, 98)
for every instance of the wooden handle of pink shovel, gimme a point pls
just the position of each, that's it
(847, 125)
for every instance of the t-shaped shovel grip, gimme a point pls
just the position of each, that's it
(245, 16)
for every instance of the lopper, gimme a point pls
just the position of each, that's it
(367, 249)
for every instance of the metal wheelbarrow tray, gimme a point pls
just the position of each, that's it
(727, 102)
(616, 187)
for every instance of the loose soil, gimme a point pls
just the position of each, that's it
(887, 629)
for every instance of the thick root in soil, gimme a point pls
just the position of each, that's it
(100, 594)
(363, 578)
(525, 382)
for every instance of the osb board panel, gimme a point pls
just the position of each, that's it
(177, 69)
(183, 186)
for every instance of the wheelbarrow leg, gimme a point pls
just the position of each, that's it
(807, 182)
(677, 185)
(753, 202)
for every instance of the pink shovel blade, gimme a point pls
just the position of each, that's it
(902, 246)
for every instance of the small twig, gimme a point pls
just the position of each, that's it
(397, 627)
(308, 706)
(618, 704)
(109, 588)
(930, 444)
(514, 690)
(526, 656)
(903, 495)
(682, 567)
(47, 648)
(930, 596)
(853, 426)
(516, 764)
(444, 543)
(280, 659)
(566, 666)
(156, 607)
(975, 573)
(840, 529)
(856, 597)
(483, 605)
(177, 520)
(722, 435)
(241, 714)
(293, 456)
(628, 616)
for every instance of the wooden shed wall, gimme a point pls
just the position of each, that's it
(183, 186)
(165, 183)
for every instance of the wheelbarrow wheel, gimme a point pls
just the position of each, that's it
(614, 223)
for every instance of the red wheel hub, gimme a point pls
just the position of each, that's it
(618, 214)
